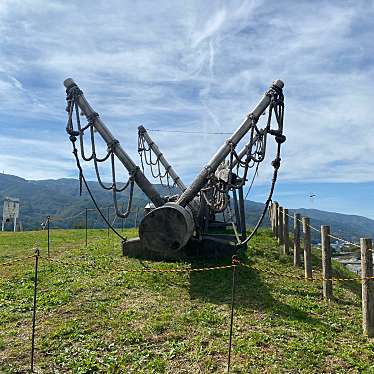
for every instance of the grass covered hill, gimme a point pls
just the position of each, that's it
(60, 198)
(94, 317)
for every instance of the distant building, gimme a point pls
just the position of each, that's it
(11, 213)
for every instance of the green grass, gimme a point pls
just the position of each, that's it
(93, 320)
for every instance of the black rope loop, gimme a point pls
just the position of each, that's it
(157, 169)
(72, 98)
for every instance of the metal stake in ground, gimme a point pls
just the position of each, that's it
(86, 224)
(108, 219)
(34, 308)
(235, 262)
(48, 220)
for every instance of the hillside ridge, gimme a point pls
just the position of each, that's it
(60, 197)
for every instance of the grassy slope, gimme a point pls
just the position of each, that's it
(90, 320)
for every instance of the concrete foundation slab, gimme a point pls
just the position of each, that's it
(209, 247)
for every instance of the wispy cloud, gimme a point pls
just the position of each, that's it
(198, 66)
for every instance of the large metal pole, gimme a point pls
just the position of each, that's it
(160, 156)
(140, 179)
(225, 149)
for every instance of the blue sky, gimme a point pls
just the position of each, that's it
(197, 66)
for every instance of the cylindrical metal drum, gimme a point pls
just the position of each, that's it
(167, 229)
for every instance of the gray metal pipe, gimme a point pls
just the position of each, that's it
(161, 157)
(140, 179)
(225, 149)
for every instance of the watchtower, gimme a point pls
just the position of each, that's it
(10, 213)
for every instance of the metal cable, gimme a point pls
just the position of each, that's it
(330, 235)
(145, 154)
(278, 105)
(82, 178)
(259, 222)
(190, 132)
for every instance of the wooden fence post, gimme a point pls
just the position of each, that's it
(367, 287)
(276, 220)
(296, 240)
(271, 216)
(307, 249)
(326, 262)
(280, 225)
(270, 212)
(286, 237)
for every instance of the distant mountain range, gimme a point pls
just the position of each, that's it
(60, 198)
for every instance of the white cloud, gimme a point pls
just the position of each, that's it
(198, 66)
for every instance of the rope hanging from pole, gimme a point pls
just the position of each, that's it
(146, 157)
(276, 105)
(72, 107)
(233, 173)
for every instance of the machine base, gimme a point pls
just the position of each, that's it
(209, 247)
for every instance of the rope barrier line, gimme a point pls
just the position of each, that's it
(312, 227)
(345, 241)
(60, 218)
(57, 218)
(191, 270)
(18, 259)
(330, 235)
(302, 277)
(271, 272)
(184, 270)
